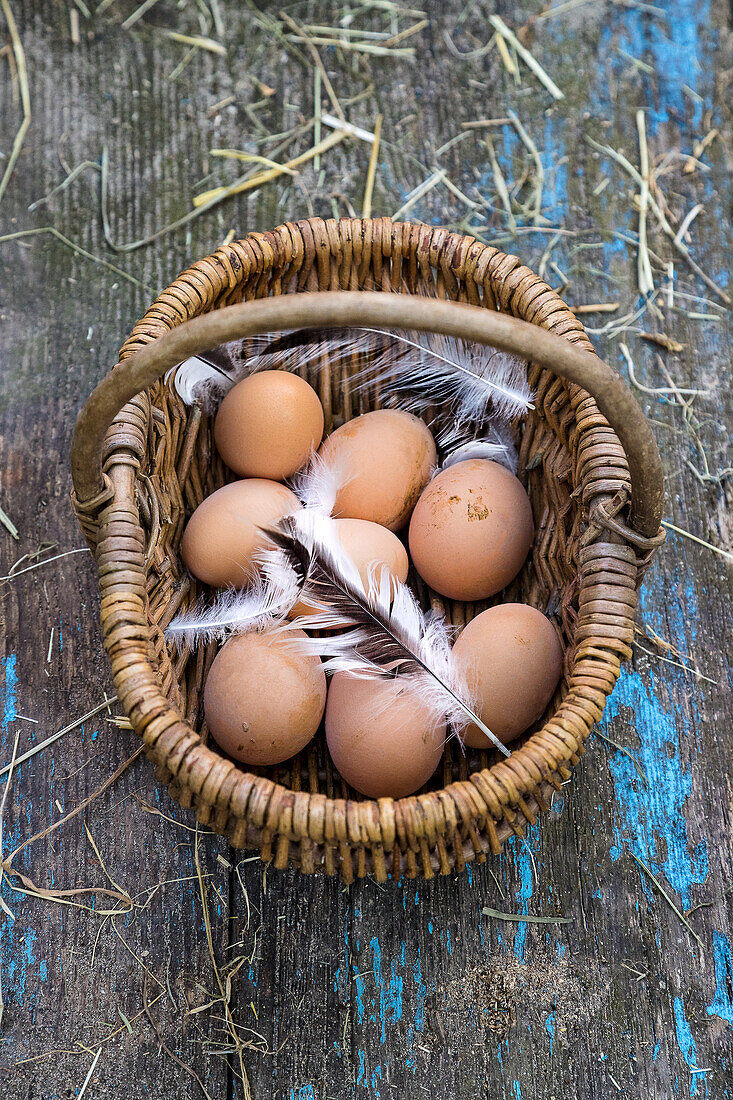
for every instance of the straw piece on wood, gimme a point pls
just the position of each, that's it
(644, 267)
(136, 16)
(53, 232)
(197, 40)
(8, 524)
(509, 63)
(694, 538)
(668, 899)
(290, 22)
(206, 199)
(25, 97)
(366, 206)
(531, 62)
(523, 918)
(534, 153)
(347, 128)
(253, 158)
(661, 217)
(88, 1077)
(61, 733)
(418, 193)
(500, 184)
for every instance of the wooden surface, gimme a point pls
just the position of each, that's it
(405, 989)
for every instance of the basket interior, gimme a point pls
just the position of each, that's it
(182, 467)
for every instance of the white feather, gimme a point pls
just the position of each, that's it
(468, 380)
(264, 603)
(199, 382)
(318, 485)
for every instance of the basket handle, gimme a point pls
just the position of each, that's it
(337, 309)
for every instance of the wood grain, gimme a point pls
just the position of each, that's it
(403, 989)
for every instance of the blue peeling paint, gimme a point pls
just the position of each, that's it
(523, 861)
(390, 991)
(722, 1003)
(688, 1049)
(550, 1024)
(10, 702)
(305, 1092)
(652, 822)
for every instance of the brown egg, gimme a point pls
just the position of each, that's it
(223, 534)
(264, 701)
(383, 739)
(387, 458)
(471, 530)
(366, 544)
(268, 425)
(511, 657)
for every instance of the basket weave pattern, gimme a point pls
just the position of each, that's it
(160, 463)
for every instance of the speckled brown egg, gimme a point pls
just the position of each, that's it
(222, 536)
(471, 530)
(511, 657)
(383, 739)
(367, 544)
(268, 425)
(387, 457)
(263, 700)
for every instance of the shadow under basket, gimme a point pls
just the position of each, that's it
(142, 461)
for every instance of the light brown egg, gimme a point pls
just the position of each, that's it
(383, 739)
(268, 425)
(511, 657)
(222, 536)
(366, 544)
(264, 701)
(387, 457)
(471, 530)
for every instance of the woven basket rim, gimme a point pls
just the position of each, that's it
(493, 802)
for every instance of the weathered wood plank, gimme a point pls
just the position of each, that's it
(406, 988)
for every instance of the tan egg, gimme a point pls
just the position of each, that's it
(366, 544)
(223, 534)
(387, 457)
(471, 530)
(268, 425)
(511, 658)
(263, 700)
(383, 739)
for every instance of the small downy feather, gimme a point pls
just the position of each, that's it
(494, 443)
(391, 635)
(318, 484)
(262, 604)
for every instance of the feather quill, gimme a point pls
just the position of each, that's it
(263, 603)
(391, 635)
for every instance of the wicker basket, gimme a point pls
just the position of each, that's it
(142, 462)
